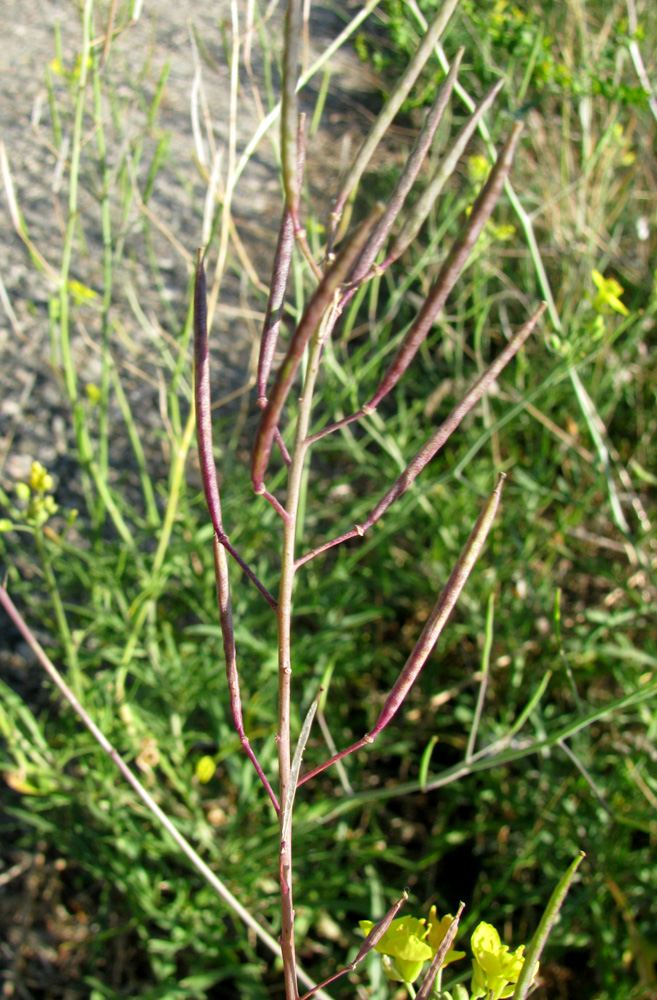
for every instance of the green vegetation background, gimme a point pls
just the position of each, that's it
(126, 916)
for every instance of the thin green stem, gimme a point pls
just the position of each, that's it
(152, 513)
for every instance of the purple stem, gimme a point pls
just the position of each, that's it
(309, 321)
(408, 176)
(434, 626)
(437, 439)
(204, 424)
(228, 635)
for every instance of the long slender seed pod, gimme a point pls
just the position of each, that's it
(449, 425)
(442, 609)
(278, 283)
(370, 942)
(444, 283)
(289, 113)
(426, 988)
(202, 397)
(452, 267)
(408, 175)
(203, 405)
(394, 103)
(431, 632)
(380, 929)
(211, 490)
(546, 923)
(230, 654)
(277, 286)
(423, 205)
(309, 321)
(437, 439)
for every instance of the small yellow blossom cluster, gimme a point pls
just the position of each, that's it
(409, 943)
(40, 506)
(40, 502)
(607, 299)
(495, 969)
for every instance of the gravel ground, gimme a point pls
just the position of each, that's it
(34, 413)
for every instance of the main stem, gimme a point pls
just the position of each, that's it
(288, 570)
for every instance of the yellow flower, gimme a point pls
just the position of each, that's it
(495, 969)
(500, 232)
(57, 67)
(409, 943)
(437, 931)
(478, 169)
(40, 480)
(403, 946)
(205, 768)
(94, 395)
(608, 298)
(81, 293)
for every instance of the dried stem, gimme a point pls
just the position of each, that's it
(132, 780)
(434, 626)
